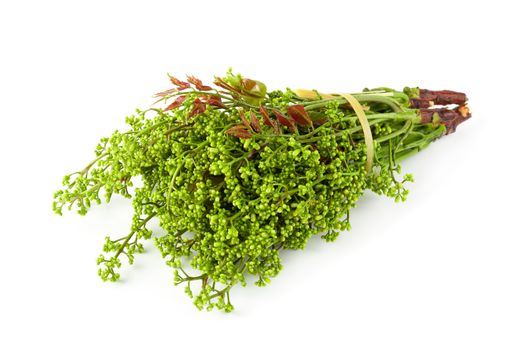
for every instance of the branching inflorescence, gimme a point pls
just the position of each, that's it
(235, 174)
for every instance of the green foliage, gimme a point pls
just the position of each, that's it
(228, 206)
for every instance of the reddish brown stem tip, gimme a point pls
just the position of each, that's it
(428, 98)
(451, 118)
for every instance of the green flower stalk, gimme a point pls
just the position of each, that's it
(235, 174)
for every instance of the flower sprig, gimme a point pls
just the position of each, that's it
(235, 174)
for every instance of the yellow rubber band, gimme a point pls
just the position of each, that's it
(369, 140)
(311, 95)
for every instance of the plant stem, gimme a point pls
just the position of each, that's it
(398, 132)
(132, 233)
(361, 98)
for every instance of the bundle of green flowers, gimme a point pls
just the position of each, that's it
(235, 174)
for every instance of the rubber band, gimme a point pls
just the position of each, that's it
(311, 95)
(369, 140)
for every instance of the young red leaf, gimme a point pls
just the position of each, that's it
(244, 120)
(198, 108)
(198, 83)
(165, 93)
(214, 101)
(320, 121)
(221, 83)
(290, 124)
(248, 84)
(266, 117)
(182, 85)
(255, 122)
(253, 88)
(240, 131)
(299, 115)
(178, 101)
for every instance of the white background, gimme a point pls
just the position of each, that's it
(445, 270)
